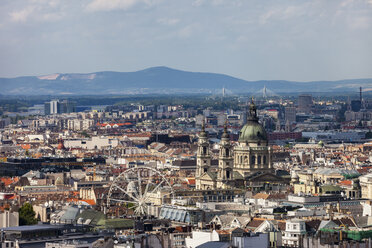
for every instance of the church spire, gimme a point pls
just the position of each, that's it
(225, 134)
(203, 133)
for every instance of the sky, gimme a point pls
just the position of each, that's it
(298, 40)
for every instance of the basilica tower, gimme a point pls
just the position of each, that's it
(225, 162)
(203, 157)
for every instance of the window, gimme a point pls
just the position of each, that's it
(259, 159)
(264, 159)
(253, 159)
(227, 151)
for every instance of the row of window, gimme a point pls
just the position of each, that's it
(254, 160)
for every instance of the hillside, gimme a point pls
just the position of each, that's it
(161, 80)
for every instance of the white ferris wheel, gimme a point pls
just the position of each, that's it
(137, 188)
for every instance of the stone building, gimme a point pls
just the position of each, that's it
(248, 164)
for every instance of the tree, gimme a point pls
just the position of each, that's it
(27, 215)
(369, 135)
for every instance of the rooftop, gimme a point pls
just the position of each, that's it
(33, 228)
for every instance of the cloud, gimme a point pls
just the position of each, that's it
(266, 16)
(38, 10)
(283, 13)
(189, 30)
(107, 5)
(168, 21)
(51, 16)
(21, 15)
(275, 29)
(361, 22)
(51, 3)
(197, 3)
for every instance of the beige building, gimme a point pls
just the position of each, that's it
(95, 142)
(306, 188)
(9, 219)
(303, 182)
(366, 186)
(159, 198)
(329, 175)
(309, 181)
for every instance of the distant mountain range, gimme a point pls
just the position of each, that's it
(163, 80)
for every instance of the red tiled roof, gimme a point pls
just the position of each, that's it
(222, 232)
(255, 223)
(261, 196)
(346, 182)
(8, 180)
(89, 201)
(191, 181)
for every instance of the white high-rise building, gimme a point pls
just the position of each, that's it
(54, 106)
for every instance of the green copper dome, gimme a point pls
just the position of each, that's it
(252, 131)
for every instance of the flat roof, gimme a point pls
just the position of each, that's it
(33, 228)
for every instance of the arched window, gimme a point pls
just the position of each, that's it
(264, 159)
(228, 174)
(259, 159)
(253, 159)
(227, 151)
(204, 150)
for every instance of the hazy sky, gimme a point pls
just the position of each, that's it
(251, 39)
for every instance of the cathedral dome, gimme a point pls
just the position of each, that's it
(253, 131)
